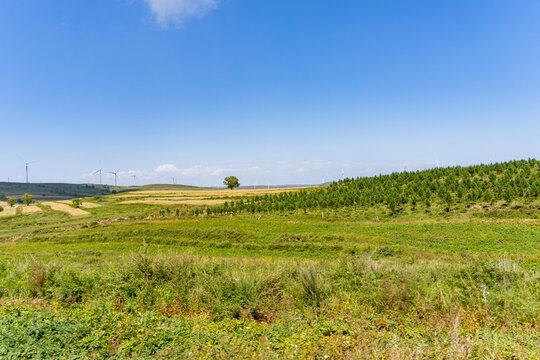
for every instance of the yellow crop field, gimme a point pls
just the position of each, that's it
(84, 204)
(193, 197)
(31, 209)
(207, 193)
(57, 206)
(8, 211)
(153, 201)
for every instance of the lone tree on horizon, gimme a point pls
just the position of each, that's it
(231, 182)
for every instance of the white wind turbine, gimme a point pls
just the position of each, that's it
(115, 173)
(100, 171)
(26, 167)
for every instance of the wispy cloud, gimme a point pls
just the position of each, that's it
(166, 168)
(177, 11)
(281, 172)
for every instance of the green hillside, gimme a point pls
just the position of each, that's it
(158, 187)
(273, 279)
(452, 188)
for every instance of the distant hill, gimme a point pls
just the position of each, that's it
(64, 191)
(54, 191)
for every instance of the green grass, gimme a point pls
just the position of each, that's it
(136, 281)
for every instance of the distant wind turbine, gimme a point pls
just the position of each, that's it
(26, 166)
(134, 177)
(100, 171)
(115, 173)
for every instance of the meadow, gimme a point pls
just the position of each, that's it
(175, 274)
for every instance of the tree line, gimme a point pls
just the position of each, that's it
(472, 185)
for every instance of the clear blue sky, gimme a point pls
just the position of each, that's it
(271, 91)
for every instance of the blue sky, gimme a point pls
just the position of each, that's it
(275, 92)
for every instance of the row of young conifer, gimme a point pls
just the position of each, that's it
(471, 185)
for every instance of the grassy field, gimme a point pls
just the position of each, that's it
(151, 275)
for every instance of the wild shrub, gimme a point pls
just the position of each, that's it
(483, 273)
(36, 278)
(311, 287)
(71, 286)
(386, 251)
(396, 292)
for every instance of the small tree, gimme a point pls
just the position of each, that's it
(77, 203)
(231, 182)
(11, 201)
(27, 199)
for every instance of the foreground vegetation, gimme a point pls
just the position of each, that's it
(142, 280)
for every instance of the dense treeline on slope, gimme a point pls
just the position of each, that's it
(471, 185)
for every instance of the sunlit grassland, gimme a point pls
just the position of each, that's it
(143, 281)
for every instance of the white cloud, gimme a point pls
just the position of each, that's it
(166, 168)
(176, 11)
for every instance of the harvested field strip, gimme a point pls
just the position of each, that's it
(31, 209)
(242, 192)
(65, 208)
(175, 202)
(8, 211)
(88, 205)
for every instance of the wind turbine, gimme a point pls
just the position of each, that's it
(134, 177)
(26, 166)
(100, 171)
(115, 173)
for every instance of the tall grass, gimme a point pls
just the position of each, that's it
(336, 304)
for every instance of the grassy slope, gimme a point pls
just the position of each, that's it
(134, 281)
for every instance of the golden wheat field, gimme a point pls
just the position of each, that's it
(57, 206)
(192, 197)
(31, 209)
